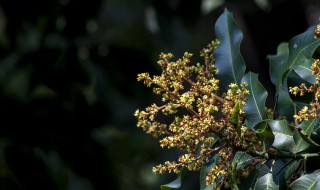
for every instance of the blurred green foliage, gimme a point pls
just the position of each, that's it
(68, 82)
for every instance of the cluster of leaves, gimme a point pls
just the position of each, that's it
(221, 122)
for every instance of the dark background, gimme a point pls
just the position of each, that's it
(68, 85)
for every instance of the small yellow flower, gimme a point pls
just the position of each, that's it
(316, 32)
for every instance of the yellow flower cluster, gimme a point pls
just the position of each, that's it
(205, 123)
(312, 111)
(316, 33)
(223, 169)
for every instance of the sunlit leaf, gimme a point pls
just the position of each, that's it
(283, 136)
(307, 182)
(267, 182)
(304, 71)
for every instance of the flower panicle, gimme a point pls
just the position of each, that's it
(205, 122)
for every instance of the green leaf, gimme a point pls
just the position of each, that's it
(283, 136)
(301, 49)
(235, 113)
(229, 60)
(308, 126)
(277, 62)
(278, 170)
(302, 136)
(291, 169)
(264, 132)
(304, 70)
(308, 139)
(285, 105)
(282, 80)
(235, 117)
(301, 144)
(308, 181)
(177, 182)
(255, 106)
(241, 160)
(267, 182)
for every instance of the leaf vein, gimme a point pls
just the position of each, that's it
(254, 99)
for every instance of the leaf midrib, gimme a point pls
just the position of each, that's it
(301, 140)
(315, 181)
(304, 68)
(254, 99)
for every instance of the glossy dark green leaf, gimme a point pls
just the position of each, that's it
(302, 137)
(256, 99)
(277, 61)
(229, 60)
(304, 71)
(282, 80)
(301, 144)
(291, 168)
(177, 182)
(307, 182)
(308, 139)
(308, 126)
(267, 182)
(301, 49)
(283, 136)
(264, 132)
(285, 105)
(278, 170)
